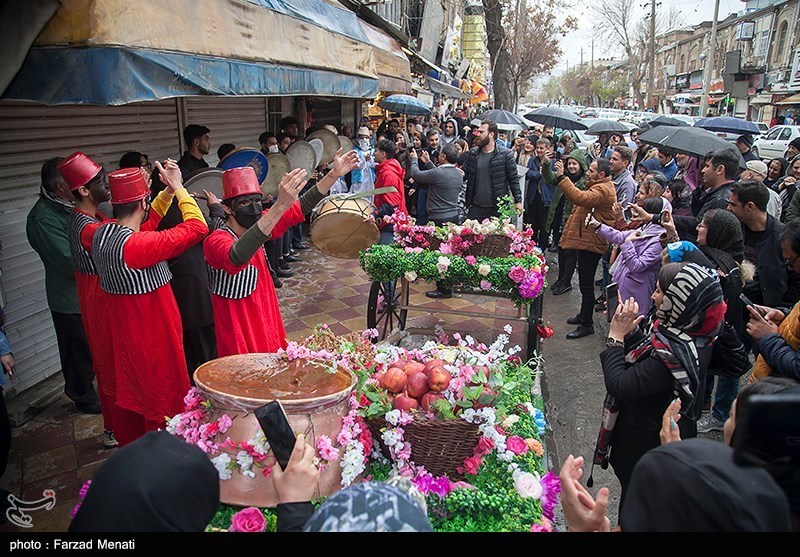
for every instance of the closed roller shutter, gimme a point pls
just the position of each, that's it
(29, 135)
(237, 120)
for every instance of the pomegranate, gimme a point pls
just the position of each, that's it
(439, 379)
(394, 380)
(405, 402)
(417, 384)
(428, 399)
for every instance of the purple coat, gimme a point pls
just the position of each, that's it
(639, 263)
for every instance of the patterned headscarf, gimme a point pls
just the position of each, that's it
(691, 316)
(369, 507)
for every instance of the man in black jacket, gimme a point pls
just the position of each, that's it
(491, 173)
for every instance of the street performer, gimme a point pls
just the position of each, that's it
(246, 310)
(146, 339)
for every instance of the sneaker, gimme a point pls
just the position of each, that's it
(561, 289)
(108, 440)
(709, 423)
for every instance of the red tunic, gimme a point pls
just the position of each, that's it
(253, 323)
(151, 375)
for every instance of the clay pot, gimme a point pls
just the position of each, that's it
(314, 399)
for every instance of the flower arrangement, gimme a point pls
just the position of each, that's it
(503, 484)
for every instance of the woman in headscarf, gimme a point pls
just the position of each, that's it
(645, 371)
(636, 267)
(776, 169)
(786, 188)
(679, 194)
(158, 483)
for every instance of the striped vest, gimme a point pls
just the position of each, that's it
(81, 259)
(115, 276)
(237, 286)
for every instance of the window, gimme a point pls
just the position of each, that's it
(786, 134)
(773, 135)
(782, 31)
(683, 63)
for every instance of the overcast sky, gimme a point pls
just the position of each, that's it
(694, 11)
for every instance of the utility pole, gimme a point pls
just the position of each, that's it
(651, 77)
(712, 47)
(581, 56)
(593, 51)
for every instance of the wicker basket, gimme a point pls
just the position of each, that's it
(493, 245)
(440, 446)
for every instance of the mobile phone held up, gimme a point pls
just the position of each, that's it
(612, 300)
(278, 431)
(627, 214)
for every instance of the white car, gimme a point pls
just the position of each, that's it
(773, 144)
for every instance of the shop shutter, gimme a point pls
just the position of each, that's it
(237, 120)
(29, 135)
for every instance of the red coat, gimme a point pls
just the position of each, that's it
(389, 173)
(252, 323)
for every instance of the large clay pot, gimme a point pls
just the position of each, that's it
(315, 401)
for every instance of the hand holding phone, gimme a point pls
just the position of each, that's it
(747, 302)
(627, 213)
(278, 431)
(612, 300)
(298, 481)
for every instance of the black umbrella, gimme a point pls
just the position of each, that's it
(688, 140)
(606, 126)
(556, 118)
(504, 119)
(667, 121)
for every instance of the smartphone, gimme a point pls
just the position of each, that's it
(749, 303)
(627, 214)
(612, 300)
(768, 432)
(279, 433)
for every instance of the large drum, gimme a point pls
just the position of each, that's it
(342, 226)
(315, 401)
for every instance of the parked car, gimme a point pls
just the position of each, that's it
(774, 143)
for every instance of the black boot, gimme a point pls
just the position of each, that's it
(581, 331)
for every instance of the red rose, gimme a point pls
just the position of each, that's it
(545, 331)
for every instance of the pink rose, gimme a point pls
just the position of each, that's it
(516, 445)
(470, 259)
(485, 445)
(545, 526)
(250, 519)
(517, 274)
(471, 465)
(485, 285)
(528, 486)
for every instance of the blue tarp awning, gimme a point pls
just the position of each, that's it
(115, 76)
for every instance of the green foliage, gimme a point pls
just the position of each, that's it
(222, 519)
(443, 409)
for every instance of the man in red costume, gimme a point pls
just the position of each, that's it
(246, 310)
(151, 378)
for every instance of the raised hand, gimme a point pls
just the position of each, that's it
(425, 157)
(639, 214)
(669, 423)
(559, 167)
(592, 222)
(625, 320)
(290, 186)
(582, 511)
(344, 162)
(617, 208)
(211, 199)
(170, 174)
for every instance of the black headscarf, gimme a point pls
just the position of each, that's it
(694, 486)
(784, 164)
(724, 239)
(158, 483)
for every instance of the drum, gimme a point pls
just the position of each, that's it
(339, 226)
(246, 156)
(345, 144)
(204, 179)
(330, 142)
(302, 155)
(279, 165)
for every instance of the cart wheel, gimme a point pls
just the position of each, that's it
(534, 340)
(383, 312)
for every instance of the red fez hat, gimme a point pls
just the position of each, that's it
(78, 170)
(126, 185)
(240, 181)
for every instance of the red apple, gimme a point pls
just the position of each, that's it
(417, 384)
(394, 380)
(413, 367)
(487, 392)
(428, 399)
(405, 402)
(433, 363)
(438, 379)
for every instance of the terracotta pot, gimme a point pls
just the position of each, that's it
(315, 401)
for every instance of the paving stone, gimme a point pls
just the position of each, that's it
(65, 485)
(38, 436)
(43, 465)
(88, 426)
(91, 450)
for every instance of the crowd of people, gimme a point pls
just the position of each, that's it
(703, 252)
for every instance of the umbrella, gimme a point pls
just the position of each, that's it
(727, 124)
(405, 104)
(606, 126)
(504, 119)
(667, 121)
(556, 118)
(688, 140)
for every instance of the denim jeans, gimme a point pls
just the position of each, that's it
(422, 204)
(297, 235)
(727, 389)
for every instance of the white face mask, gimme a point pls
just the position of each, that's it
(273, 149)
(363, 143)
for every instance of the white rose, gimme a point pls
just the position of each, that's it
(411, 276)
(484, 269)
(528, 485)
(510, 421)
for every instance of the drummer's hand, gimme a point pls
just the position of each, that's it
(344, 162)
(170, 174)
(289, 188)
(211, 199)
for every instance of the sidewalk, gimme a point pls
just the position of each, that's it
(57, 448)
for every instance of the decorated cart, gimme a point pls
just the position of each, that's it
(452, 417)
(489, 258)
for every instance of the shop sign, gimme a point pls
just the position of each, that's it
(682, 81)
(696, 80)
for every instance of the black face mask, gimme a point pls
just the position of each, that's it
(248, 215)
